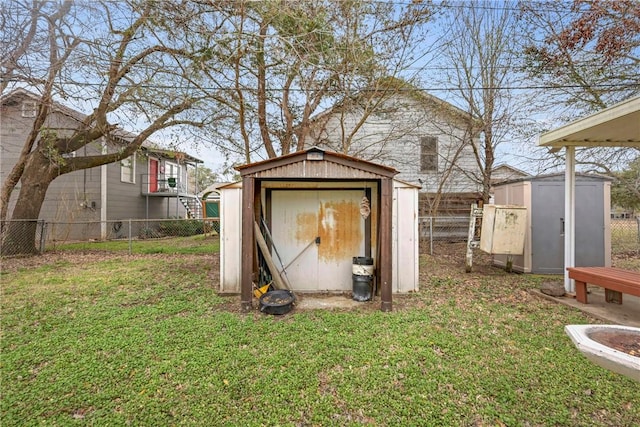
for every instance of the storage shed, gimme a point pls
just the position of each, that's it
(616, 126)
(312, 204)
(544, 239)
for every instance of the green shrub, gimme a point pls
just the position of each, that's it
(181, 227)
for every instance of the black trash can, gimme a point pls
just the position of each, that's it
(362, 278)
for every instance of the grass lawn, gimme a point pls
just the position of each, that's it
(109, 339)
(199, 244)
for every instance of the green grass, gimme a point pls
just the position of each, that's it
(200, 244)
(119, 341)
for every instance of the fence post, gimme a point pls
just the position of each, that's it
(43, 234)
(430, 235)
(130, 241)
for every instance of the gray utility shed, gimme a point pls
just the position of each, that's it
(312, 202)
(544, 241)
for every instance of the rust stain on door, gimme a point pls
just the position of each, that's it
(339, 229)
(306, 227)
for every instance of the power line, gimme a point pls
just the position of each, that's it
(609, 86)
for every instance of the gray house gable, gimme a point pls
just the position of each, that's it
(115, 191)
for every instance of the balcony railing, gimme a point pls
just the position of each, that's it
(162, 186)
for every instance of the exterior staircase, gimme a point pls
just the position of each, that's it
(193, 206)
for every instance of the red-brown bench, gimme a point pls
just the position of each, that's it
(615, 281)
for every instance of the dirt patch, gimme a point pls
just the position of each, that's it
(625, 341)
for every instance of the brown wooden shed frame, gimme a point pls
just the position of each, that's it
(315, 164)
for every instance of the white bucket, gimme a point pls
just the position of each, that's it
(362, 270)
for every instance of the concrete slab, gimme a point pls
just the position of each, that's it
(627, 313)
(323, 302)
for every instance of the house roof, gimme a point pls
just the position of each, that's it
(171, 154)
(21, 92)
(558, 176)
(513, 169)
(280, 167)
(396, 86)
(118, 132)
(616, 126)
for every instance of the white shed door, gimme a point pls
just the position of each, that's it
(300, 218)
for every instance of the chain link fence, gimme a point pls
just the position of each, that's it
(38, 236)
(23, 237)
(442, 229)
(625, 236)
(434, 231)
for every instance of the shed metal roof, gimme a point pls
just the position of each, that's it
(316, 163)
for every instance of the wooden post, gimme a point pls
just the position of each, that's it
(248, 241)
(279, 283)
(581, 291)
(468, 265)
(612, 296)
(385, 262)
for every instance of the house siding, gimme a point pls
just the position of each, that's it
(394, 139)
(72, 197)
(75, 202)
(126, 200)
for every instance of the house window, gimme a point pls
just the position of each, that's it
(128, 169)
(29, 109)
(428, 154)
(172, 174)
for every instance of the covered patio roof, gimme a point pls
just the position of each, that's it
(616, 126)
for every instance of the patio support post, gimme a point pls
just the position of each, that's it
(569, 216)
(386, 255)
(615, 126)
(248, 188)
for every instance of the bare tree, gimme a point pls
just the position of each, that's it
(136, 60)
(289, 60)
(252, 74)
(586, 57)
(478, 60)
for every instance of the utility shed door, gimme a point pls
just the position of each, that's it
(590, 224)
(299, 218)
(547, 227)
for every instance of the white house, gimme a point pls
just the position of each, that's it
(429, 141)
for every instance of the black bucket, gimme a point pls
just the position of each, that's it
(362, 278)
(279, 301)
(362, 287)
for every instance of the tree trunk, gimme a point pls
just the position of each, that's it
(19, 236)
